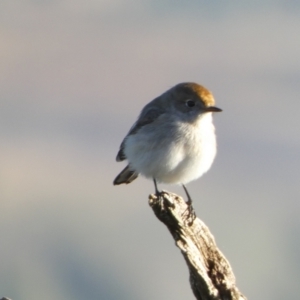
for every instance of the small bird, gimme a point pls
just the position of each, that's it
(173, 139)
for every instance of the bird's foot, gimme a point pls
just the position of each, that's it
(191, 215)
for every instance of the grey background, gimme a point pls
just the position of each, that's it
(73, 78)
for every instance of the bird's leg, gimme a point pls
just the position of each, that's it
(189, 199)
(155, 186)
(190, 209)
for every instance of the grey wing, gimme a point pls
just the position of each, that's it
(147, 116)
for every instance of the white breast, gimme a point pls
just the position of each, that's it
(173, 152)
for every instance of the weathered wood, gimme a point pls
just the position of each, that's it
(211, 276)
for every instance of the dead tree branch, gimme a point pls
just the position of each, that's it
(211, 276)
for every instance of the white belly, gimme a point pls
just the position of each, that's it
(174, 152)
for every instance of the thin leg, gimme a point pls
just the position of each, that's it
(189, 199)
(155, 186)
(190, 209)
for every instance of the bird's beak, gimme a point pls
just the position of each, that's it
(213, 109)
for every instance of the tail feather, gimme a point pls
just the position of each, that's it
(126, 176)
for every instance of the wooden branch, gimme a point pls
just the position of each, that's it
(211, 276)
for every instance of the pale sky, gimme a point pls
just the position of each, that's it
(74, 76)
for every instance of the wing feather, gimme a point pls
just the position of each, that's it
(148, 115)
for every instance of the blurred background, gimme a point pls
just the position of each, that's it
(73, 77)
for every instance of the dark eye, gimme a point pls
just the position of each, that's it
(190, 103)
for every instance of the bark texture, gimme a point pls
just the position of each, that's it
(211, 276)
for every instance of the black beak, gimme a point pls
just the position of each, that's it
(213, 109)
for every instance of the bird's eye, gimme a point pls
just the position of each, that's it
(190, 103)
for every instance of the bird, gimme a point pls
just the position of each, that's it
(173, 140)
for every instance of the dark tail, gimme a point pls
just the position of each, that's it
(126, 176)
